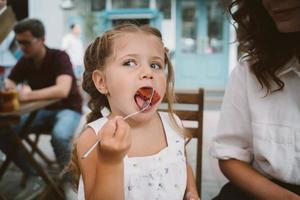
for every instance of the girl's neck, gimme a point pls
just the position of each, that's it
(148, 138)
(145, 123)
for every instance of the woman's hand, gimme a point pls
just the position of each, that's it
(115, 140)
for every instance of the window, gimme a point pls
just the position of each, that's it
(215, 17)
(138, 22)
(130, 4)
(164, 6)
(189, 27)
(97, 5)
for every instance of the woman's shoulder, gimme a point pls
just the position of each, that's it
(242, 67)
(241, 75)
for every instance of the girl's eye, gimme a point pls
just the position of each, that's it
(156, 66)
(129, 63)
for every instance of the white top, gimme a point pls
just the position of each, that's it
(161, 176)
(7, 59)
(259, 129)
(74, 48)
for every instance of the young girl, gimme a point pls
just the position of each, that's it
(143, 156)
(258, 138)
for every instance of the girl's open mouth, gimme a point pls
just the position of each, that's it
(143, 96)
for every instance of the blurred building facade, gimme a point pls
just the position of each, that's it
(197, 32)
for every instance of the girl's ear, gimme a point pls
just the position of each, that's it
(99, 81)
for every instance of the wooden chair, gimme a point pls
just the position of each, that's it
(2, 197)
(34, 147)
(189, 108)
(36, 150)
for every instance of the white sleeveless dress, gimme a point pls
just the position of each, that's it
(161, 176)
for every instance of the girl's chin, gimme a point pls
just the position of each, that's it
(147, 115)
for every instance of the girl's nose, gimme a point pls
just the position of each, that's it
(146, 73)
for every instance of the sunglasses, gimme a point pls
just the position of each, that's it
(26, 42)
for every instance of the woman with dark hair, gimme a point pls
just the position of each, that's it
(258, 137)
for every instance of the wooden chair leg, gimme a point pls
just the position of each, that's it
(48, 194)
(45, 193)
(35, 149)
(2, 197)
(24, 179)
(33, 143)
(4, 166)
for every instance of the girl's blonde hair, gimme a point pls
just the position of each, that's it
(95, 57)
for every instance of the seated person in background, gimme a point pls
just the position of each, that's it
(258, 138)
(72, 44)
(48, 74)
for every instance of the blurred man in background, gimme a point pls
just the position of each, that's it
(48, 74)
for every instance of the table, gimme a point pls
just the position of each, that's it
(13, 117)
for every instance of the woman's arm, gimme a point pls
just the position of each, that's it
(191, 189)
(251, 181)
(103, 170)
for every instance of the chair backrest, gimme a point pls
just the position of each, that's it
(189, 108)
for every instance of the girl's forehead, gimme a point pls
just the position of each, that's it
(137, 41)
(127, 38)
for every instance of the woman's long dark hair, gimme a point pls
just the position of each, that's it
(266, 49)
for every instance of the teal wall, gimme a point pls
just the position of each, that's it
(198, 68)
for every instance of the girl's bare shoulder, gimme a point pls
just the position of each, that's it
(86, 139)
